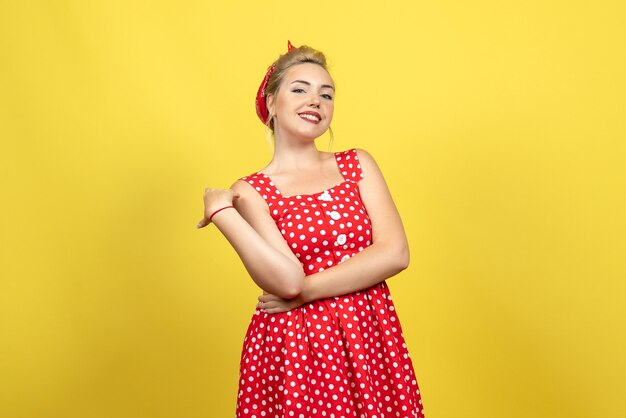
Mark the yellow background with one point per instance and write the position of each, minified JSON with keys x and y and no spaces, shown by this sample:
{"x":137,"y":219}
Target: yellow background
{"x":499,"y":127}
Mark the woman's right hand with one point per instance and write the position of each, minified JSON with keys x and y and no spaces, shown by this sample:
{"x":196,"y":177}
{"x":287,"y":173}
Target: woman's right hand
{"x":215,"y":199}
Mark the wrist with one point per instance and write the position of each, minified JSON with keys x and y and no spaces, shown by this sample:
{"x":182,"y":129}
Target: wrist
{"x":219,"y":210}
{"x":307,"y":292}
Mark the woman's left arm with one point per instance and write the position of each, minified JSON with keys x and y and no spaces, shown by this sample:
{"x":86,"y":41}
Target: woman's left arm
{"x":385,"y":257}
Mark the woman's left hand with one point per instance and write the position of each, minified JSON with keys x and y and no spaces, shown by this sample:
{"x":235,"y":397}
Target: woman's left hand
{"x":272,"y":304}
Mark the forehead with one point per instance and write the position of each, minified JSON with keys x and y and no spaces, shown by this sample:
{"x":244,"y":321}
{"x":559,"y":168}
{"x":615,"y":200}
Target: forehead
{"x":313,"y":73}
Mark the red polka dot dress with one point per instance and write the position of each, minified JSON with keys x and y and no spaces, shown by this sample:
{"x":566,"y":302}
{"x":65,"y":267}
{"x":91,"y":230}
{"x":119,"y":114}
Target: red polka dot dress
{"x":339,"y":357}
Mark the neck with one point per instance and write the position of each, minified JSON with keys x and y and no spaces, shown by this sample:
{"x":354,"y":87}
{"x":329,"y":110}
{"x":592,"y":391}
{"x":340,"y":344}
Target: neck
{"x":294,"y":154}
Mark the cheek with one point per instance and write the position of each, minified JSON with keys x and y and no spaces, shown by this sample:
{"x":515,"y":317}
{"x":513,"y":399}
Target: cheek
{"x":330,"y":111}
{"x":283,"y":105}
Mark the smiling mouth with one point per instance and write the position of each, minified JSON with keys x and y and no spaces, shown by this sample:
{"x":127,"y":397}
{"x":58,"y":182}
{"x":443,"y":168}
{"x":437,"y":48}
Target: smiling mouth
{"x":309,"y":117}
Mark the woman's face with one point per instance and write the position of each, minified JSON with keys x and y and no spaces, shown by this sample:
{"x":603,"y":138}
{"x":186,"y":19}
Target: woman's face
{"x":304,"y":104}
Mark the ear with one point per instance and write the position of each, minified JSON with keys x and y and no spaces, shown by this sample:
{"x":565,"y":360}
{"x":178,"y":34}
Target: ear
{"x":269,"y":100}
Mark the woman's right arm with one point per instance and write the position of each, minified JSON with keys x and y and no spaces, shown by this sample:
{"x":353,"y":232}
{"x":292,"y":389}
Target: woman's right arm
{"x":253,"y":234}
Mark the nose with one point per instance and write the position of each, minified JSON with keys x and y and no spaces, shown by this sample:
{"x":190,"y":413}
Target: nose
{"x":315,"y":100}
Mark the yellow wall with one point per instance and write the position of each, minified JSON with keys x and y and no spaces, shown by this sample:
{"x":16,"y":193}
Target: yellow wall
{"x":500,"y":129}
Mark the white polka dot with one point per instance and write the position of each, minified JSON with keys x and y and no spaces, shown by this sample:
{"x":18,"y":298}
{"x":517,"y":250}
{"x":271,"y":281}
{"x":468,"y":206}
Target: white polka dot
{"x":337,"y":357}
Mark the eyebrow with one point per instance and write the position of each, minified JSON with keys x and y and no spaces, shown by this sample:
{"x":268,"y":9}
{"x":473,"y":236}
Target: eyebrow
{"x":308,"y":84}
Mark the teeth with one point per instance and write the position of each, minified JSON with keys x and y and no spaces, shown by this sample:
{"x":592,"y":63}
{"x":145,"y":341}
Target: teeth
{"x":310,"y":117}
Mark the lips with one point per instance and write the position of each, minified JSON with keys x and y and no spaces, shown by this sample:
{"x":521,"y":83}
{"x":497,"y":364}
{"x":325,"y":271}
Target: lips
{"x":312,"y":117}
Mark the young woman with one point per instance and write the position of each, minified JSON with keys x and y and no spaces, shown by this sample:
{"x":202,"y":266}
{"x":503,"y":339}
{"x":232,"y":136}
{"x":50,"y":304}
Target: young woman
{"x":319,"y":233}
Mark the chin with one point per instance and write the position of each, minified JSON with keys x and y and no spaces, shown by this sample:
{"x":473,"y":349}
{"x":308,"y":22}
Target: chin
{"x":314,"y":137}
{"x":316,"y":133}
{"x":313,"y":132}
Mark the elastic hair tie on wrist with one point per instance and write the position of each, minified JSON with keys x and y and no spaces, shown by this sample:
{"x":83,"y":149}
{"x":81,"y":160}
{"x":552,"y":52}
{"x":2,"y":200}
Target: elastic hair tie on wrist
{"x":213,"y":214}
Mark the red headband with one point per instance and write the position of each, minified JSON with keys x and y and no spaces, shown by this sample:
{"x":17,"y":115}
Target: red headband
{"x":261,"y":106}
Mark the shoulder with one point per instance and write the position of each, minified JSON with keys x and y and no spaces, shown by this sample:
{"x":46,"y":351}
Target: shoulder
{"x":246,"y":183}
{"x":249,"y":189}
{"x":358,"y":154}
{"x":362,"y":154}
{"x":367,"y":163}
{"x":357,"y":164}
{"x":242,"y":186}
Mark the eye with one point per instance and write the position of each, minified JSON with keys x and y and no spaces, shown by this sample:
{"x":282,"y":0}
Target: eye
{"x":327,"y":96}
{"x":297,"y":90}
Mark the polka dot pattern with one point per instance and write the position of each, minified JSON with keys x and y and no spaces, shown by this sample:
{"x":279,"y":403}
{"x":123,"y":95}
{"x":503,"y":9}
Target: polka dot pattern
{"x":338,"y":357}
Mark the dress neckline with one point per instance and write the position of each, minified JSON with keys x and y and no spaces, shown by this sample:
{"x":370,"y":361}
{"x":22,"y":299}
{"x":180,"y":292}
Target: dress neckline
{"x":336,"y":154}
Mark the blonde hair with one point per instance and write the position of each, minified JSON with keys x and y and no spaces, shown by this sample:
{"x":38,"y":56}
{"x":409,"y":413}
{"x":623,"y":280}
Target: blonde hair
{"x":301,"y":55}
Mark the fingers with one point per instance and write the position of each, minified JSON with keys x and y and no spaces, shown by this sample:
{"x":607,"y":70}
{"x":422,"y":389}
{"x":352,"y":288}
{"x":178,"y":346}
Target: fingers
{"x":204,"y":222}
{"x":217,"y":198}
{"x":267,"y":301}
{"x":264,"y":306}
{"x":221,"y":192}
{"x":272,"y":307}
{"x":273,"y":304}
{"x":274,"y":310}
{"x":268,"y":297}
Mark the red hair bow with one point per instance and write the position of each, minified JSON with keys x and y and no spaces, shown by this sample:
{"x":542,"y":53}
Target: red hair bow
{"x":261,"y":105}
